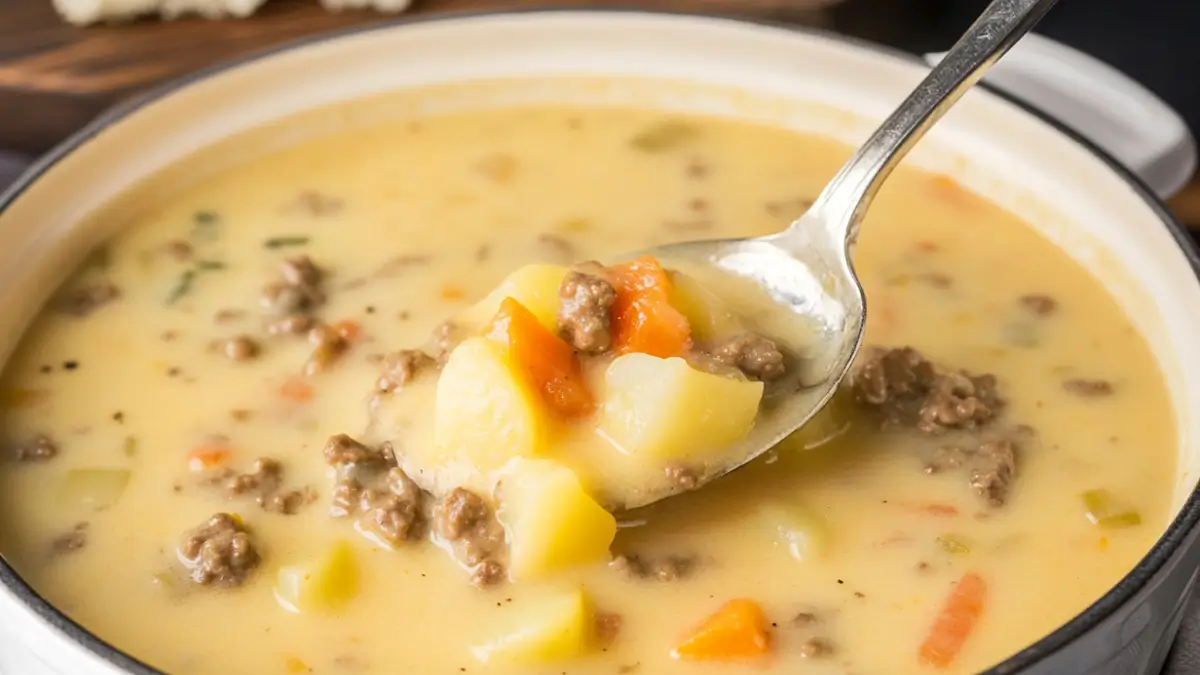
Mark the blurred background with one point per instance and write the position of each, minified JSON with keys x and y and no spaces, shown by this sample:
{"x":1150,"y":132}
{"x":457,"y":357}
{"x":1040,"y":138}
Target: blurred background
{"x":55,"y":76}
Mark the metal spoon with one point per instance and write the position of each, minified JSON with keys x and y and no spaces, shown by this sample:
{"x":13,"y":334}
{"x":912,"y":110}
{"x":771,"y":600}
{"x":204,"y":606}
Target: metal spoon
{"x":805,"y":274}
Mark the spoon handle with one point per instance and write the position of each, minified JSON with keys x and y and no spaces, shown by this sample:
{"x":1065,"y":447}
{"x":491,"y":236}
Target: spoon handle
{"x":844,"y":201}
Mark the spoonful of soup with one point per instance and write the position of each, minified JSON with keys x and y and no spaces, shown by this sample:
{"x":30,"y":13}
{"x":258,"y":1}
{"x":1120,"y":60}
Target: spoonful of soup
{"x":605,"y":387}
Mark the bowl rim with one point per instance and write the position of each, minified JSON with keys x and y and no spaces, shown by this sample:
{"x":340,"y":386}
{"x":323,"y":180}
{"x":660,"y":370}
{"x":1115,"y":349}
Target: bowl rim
{"x":1167,"y":545}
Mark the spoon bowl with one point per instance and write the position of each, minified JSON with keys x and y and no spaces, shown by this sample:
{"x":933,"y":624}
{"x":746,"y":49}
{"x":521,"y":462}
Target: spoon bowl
{"x":799,"y":286}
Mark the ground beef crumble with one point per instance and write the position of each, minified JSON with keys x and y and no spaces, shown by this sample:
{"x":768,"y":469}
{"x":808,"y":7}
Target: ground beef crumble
{"x":341,"y":449}
{"x":40,"y":448}
{"x":1039,"y":305}
{"x":297,"y":292}
{"x":70,"y":541}
{"x":445,"y":337}
{"x":401,"y":367}
{"x":991,"y":465}
{"x":907,"y":390}
{"x":683,"y":477}
{"x":1088,"y":388}
{"x":992,"y":478}
{"x":754,"y":355}
{"x":662,"y":568}
{"x":84,"y":300}
{"x":219,"y":552}
{"x":370,"y":486}
{"x":264,"y":482}
{"x":464,"y":518}
{"x":608,"y":626}
{"x":584,"y":316}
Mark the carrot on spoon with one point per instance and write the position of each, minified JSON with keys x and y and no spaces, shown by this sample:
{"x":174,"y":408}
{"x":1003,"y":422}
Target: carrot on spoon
{"x":735,"y":632}
{"x":643,"y":319}
{"x":955,"y":622}
{"x":549,"y":363}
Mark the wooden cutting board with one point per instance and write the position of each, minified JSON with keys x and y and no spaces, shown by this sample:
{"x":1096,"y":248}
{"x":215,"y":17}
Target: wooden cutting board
{"x":54,"y":78}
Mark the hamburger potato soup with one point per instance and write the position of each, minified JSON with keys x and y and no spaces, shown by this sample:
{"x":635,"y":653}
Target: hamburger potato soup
{"x":367,"y":405}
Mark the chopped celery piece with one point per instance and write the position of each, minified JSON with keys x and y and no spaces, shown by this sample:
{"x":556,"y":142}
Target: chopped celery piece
{"x":1119,"y":520}
{"x":953,"y":544}
{"x":1103,"y":511}
{"x":323,"y":584}
{"x":802,"y":531}
{"x":1097,"y":502}
{"x":93,"y":488}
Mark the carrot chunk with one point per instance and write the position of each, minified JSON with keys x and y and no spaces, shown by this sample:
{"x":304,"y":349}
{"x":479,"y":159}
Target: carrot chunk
{"x":208,"y":456}
{"x":737,"y":631}
{"x":453,"y":292}
{"x":296,"y":389}
{"x":549,"y":363}
{"x":955,"y":623}
{"x":643,"y":319}
{"x":348,"y":329}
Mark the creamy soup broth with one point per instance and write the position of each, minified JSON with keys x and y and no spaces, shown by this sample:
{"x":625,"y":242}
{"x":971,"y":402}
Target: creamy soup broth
{"x":413,"y":221}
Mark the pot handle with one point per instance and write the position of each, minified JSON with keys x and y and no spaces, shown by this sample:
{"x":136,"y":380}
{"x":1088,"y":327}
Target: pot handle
{"x":1102,"y":104}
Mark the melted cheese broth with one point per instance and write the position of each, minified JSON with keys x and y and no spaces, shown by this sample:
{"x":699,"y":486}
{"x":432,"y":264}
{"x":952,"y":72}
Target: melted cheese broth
{"x":136,"y":385}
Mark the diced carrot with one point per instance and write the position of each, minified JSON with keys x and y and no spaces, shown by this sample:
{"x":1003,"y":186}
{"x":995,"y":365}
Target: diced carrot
{"x":950,"y":192}
{"x":348,"y":329}
{"x":208,"y":456}
{"x":955,"y":622}
{"x":296,"y":389}
{"x":550,"y":363}
{"x":737,"y":631}
{"x":453,"y":292}
{"x":643,"y":319}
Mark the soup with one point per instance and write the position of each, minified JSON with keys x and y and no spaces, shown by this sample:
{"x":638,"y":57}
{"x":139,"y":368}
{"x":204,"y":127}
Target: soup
{"x":198,"y":471}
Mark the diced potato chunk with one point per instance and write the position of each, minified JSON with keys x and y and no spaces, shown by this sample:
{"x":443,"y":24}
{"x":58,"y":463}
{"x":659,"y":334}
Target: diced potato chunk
{"x":534,"y":286}
{"x":797,"y":528}
{"x":665,"y":409}
{"x":484,"y":413}
{"x":551,"y":628}
{"x":706,"y":313}
{"x":552,"y":522}
{"x":326,"y":583}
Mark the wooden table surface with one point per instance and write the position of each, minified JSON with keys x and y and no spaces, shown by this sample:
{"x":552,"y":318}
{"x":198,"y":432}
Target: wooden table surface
{"x":55,"y":77}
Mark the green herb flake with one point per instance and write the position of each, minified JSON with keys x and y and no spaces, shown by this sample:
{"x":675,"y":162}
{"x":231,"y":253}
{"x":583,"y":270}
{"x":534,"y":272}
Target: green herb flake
{"x":210,"y":265}
{"x":205,"y":218}
{"x":664,"y":136}
{"x":182,"y":287}
{"x":284,"y":242}
{"x":953,"y":544}
{"x":204,"y":225}
{"x":1102,"y":511}
{"x":130,"y":447}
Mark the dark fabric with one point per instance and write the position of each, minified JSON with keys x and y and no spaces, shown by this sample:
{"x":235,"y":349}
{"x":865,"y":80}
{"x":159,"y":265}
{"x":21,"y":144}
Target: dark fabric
{"x":1156,"y":42}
